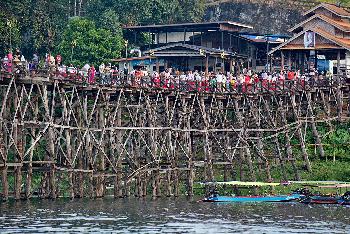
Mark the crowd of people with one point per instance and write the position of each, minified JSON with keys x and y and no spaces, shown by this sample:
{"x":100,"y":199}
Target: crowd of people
{"x":169,"y":79}
{"x":226,"y":81}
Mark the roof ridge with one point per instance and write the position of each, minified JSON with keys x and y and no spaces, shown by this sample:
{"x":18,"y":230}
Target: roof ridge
{"x":338,"y":10}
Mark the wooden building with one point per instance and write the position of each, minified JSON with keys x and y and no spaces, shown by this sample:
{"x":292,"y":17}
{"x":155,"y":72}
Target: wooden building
{"x":325,"y":33}
{"x":210,"y":46}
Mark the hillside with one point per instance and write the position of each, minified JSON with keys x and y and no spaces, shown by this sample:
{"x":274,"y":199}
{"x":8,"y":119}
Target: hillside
{"x":271,"y":16}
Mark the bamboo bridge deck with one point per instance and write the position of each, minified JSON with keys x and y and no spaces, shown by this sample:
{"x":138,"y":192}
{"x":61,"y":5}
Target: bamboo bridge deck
{"x":79,"y":139}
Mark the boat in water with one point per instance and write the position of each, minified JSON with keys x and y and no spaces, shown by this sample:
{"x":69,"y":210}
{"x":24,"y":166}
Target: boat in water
{"x":321,"y":199}
{"x":302,"y":195}
{"x":345,"y":199}
{"x":329,"y":199}
{"x":275,"y":198}
{"x":215,"y":197}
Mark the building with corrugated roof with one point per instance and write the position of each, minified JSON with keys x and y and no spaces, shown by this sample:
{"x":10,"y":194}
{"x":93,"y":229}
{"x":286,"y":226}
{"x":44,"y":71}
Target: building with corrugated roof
{"x":209,"y":46}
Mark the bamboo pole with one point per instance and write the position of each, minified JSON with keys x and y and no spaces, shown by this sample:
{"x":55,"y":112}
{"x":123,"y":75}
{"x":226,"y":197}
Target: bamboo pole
{"x":30,"y":165}
{"x":300,"y":135}
{"x":118,"y":192}
{"x":287,"y":140}
{"x":100,"y":185}
{"x":313,"y":126}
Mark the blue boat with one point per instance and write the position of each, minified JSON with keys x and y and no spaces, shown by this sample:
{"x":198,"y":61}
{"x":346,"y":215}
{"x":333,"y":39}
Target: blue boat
{"x":277,"y":198}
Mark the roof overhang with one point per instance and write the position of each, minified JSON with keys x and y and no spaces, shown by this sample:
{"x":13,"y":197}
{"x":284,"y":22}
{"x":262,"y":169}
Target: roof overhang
{"x":228,"y":26}
{"x":132,"y":59}
{"x":186,"y":50}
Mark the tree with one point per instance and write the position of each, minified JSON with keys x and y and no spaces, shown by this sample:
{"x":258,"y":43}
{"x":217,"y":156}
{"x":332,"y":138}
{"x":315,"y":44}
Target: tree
{"x":191,"y":10}
{"x":39,"y":22}
{"x":343,"y":2}
{"x":10,"y":36}
{"x":134,"y":12}
{"x":82,"y":42}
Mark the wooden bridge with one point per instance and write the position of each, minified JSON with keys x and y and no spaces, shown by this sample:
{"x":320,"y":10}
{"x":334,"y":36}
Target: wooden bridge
{"x":60,"y":137}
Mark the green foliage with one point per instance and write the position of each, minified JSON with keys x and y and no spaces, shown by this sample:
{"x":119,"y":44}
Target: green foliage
{"x":42,"y":26}
{"x":82,"y":42}
{"x":39,"y":22}
{"x":9,"y":32}
{"x":322,"y":170}
{"x":132,"y":12}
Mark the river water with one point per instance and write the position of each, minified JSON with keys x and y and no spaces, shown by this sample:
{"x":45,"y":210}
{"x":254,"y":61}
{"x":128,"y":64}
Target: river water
{"x":173,"y":215}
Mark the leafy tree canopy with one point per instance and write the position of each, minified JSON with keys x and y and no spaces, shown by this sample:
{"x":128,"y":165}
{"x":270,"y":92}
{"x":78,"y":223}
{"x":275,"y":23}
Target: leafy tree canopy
{"x":10,"y":36}
{"x":133,"y":12}
{"x":82,"y":42}
{"x":41,"y":25}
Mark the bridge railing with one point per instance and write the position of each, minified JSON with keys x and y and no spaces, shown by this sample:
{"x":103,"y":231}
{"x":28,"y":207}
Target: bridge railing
{"x":206,"y":85}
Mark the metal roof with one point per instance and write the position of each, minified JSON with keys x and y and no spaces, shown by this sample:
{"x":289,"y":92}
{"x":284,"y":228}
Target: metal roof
{"x":229,"y":26}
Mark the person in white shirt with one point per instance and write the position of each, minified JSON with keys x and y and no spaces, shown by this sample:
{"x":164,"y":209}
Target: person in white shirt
{"x":219,"y":78}
{"x":190,"y":76}
{"x":264,"y":75}
{"x":224,"y":80}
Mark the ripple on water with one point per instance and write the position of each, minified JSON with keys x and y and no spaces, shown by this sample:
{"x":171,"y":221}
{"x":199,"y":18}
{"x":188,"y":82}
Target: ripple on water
{"x":171,"y":216}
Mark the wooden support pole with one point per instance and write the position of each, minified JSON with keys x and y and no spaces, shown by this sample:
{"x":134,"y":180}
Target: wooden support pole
{"x":100,"y":184}
{"x":18,"y":169}
{"x":126,"y":184}
{"x":314,"y":128}
{"x":83,"y":117}
{"x":51,"y":139}
{"x":190,"y":165}
{"x":289,"y":150}
{"x":3,"y":144}
{"x":151,"y":119}
{"x":188,"y":144}
{"x":5,"y":184}
{"x":260,"y":148}
{"x":209,"y":176}
{"x":326,"y":107}
{"x":170,"y":152}
{"x":30,"y":165}
{"x":174,"y":165}
{"x":118,"y":191}
{"x":246,"y":150}
{"x":3,"y":151}
{"x":300,"y":134}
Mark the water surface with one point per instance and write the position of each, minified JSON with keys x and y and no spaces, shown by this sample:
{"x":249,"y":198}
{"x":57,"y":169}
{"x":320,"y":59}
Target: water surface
{"x":169,"y":216}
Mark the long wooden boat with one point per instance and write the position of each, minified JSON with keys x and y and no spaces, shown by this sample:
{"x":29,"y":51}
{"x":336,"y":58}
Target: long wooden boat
{"x":302,"y":195}
{"x":329,"y":199}
{"x":321,"y":200}
{"x":277,"y":198}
